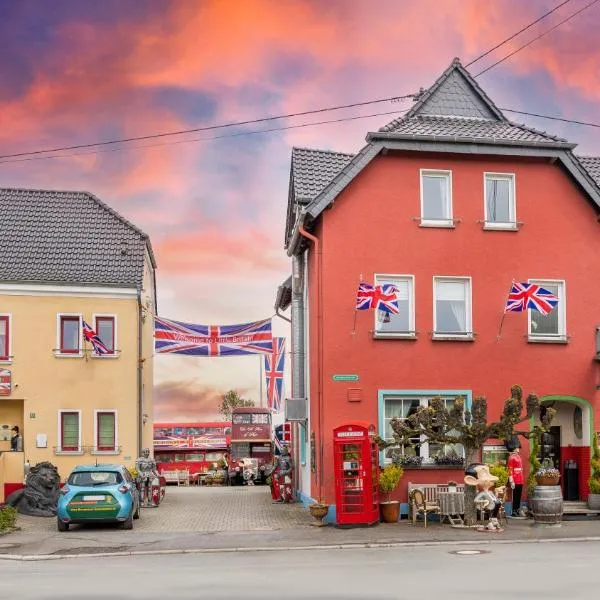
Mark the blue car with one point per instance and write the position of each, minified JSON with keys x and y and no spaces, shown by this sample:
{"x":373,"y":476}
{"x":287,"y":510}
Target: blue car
{"x":96,"y":494}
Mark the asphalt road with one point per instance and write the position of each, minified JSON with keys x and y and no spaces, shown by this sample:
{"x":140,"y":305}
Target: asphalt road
{"x":546,"y":571}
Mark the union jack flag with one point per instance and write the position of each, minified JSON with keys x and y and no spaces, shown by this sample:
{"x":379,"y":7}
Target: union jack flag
{"x":530,"y":295}
{"x":174,"y":337}
{"x":92,"y":337}
{"x":382,"y":297}
{"x":274,"y":366}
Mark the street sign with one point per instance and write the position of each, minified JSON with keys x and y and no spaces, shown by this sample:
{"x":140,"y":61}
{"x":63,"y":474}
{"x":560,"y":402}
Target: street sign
{"x":345,"y":377}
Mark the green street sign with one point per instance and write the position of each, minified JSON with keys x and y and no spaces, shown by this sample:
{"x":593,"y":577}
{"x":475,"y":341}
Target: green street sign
{"x":345,"y":377}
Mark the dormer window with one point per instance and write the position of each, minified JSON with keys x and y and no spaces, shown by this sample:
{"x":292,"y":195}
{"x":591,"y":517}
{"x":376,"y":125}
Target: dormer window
{"x":436,"y":198}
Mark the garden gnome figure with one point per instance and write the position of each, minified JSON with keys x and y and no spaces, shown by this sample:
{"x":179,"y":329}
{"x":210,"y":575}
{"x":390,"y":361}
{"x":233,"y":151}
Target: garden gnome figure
{"x":147,"y":477}
{"x":485,"y":500}
{"x":515,"y":475}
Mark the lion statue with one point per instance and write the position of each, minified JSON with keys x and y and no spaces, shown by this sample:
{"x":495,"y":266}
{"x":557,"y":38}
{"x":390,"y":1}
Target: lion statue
{"x":40,"y":495}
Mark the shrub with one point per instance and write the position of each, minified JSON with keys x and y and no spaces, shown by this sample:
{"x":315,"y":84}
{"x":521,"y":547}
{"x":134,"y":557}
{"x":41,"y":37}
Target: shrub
{"x":8,"y":517}
{"x":389,"y":479}
{"x":595,"y":477}
{"x":501,"y":472}
{"x":408,"y":461}
{"x":451,"y":460}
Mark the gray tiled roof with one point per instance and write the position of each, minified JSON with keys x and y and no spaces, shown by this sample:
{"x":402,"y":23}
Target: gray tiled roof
{"x":457,"y":127}
{"x":592,"y":165}
{"x":312,"y":170}
{"x":67,"y":237}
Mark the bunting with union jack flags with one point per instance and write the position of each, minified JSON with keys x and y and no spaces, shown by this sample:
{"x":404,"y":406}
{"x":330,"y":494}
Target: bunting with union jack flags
{"x":274,"y":369}
{"x":381,"y":297}
{"x":175,"y":337}
{"x":525,"y":296}
{"x":92,"y":337}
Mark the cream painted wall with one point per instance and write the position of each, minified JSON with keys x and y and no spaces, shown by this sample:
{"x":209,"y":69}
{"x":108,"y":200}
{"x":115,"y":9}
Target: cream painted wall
{"x":45,"y":383}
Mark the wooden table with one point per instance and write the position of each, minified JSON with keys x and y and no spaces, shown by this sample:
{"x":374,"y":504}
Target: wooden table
{"x":452,"y":507}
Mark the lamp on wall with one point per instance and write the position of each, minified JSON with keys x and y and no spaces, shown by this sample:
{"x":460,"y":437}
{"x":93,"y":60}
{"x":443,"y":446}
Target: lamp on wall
{"x":144,"y":418}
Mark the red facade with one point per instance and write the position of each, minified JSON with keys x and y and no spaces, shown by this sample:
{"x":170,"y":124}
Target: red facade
{"x":374,"y":227}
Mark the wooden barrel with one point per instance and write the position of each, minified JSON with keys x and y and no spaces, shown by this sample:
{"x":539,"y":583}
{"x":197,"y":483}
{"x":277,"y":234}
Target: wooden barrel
{"x":547,"y":504}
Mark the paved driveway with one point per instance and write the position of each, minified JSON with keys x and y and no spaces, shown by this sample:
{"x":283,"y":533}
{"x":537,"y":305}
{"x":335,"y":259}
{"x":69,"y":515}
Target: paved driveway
{"x":205,"y":509}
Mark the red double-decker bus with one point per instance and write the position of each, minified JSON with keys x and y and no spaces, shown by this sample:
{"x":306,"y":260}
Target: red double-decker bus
{"x":194,"y":447}
{"x":251,"y":444}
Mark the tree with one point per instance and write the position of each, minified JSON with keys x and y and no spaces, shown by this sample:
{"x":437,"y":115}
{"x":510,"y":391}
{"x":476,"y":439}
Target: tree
{"x":232,"y":400}
{"x":440,"y":425}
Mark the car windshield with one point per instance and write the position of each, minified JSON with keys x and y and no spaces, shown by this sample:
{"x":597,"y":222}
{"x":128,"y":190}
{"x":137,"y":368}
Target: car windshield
{"x":95,"y":478}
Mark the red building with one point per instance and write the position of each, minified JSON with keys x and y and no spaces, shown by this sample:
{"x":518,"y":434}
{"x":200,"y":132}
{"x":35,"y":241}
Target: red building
{"x":451,"y":203}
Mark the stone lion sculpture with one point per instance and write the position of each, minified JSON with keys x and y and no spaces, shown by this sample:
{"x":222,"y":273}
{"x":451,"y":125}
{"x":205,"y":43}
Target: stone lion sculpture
{"x":40,"y":495}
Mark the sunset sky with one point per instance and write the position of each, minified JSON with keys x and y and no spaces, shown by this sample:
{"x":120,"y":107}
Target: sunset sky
{"x":82,"y":71}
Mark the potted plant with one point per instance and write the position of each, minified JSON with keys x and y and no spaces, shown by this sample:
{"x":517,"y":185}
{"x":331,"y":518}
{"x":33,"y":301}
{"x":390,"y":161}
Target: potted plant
{"x":452,"y":486}
{"x":547,"y":474}
{"x":319,"y":512}
{"x":501,"y":472}
{"x":593,"y":500}
{"x":389,"y":478}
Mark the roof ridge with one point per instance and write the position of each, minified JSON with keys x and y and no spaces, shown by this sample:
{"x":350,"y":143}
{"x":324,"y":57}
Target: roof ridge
{"x":91,"y":196}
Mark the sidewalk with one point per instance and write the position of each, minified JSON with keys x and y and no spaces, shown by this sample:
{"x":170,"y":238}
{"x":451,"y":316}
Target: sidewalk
{"x":229,"y":520}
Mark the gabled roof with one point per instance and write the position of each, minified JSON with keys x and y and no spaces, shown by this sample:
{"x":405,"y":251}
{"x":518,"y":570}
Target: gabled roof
{"x":68,"y":237}
{"x":312,"y":170}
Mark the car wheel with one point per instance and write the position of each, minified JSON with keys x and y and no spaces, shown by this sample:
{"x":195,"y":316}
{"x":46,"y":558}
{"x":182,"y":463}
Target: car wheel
{"x":136,"y":514}
{"x":61,"y":525}
{"x":128,"y":523}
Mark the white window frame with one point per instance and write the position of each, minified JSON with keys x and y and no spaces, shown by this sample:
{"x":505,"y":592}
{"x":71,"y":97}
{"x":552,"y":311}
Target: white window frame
{"x":468,"y":334}
{"x":411,"y":333}
{"x":447,"y":175}
{"x":116,"y":450}
{"x":512,"y":208}
{"x":59,"y":450}
{"x":57,"y":351}
{"x":8,"y":360}
{"x":423,"y":398}
{"x":561,"y":307}
{"x":115,"y":353}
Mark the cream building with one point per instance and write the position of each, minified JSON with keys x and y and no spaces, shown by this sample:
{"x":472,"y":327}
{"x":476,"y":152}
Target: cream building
{"x":68,"y":258}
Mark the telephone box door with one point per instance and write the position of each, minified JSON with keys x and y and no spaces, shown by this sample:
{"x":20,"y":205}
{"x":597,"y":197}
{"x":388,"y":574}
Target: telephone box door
{"x":355,"y":463}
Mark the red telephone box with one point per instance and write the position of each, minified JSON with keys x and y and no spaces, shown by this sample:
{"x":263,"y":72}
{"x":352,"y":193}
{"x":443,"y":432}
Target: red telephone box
{"x":355,"y":460}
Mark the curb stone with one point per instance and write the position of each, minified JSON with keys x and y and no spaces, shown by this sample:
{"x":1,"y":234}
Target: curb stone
{"x":370,"y":545}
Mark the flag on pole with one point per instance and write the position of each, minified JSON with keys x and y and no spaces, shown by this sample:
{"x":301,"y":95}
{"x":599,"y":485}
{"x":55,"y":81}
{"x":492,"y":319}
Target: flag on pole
{"x":175,"y":337}
{"x":381,"y":297}
{"x":92,"y":337}
{"x":274,"y":370}
{"x":525,"y":296}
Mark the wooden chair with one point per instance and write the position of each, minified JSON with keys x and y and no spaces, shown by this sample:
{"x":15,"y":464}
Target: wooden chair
{"x":503,"y":497}
{"x":421,"y":506}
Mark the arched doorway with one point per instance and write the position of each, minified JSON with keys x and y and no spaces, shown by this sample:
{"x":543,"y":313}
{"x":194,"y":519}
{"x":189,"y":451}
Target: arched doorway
{"x":571,"y":430}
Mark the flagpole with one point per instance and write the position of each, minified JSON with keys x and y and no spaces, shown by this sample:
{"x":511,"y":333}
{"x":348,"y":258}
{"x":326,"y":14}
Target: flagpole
{"x":355,"y":309}
{"x":504,"y":313}
{"x":260,"y":375}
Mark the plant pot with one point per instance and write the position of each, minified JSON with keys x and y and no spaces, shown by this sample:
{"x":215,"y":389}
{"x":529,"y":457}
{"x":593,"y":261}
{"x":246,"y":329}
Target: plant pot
{"x":319,"y":512}
{"x":593,"y":501}
{"x":547,"y":479}
{"x":390,"y":511}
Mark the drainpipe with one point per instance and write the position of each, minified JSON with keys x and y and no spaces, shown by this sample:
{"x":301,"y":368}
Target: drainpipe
{"x":319,"y":311}
{"x":140,"y":367}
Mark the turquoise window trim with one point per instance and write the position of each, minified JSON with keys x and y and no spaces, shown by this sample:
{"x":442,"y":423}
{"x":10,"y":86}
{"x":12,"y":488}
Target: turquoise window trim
{"x":381,"y":395}
{"x":302,"y":444}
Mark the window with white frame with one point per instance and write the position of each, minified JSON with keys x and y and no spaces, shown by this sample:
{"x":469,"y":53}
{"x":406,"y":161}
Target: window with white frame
{"x":436,"y":198}
{"x":452,"y":307}
{"x":105,"y":327}
{"x":402,"y":323}
{"x":553,"y":326}
{"x":69,"y":334}
{"x":106,"y":430}
{"x":500,"y":207}
{"x":5,"y":337}
{"x":69,"y":431}
{"x":402,"y":407}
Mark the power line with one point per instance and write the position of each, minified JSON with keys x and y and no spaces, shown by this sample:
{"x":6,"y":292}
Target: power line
{"x":209,"y":127}
{"x":201,"y":139}
{"x":545,"y":33}
{"x":512,"y":37}
{"x":562,"y":119}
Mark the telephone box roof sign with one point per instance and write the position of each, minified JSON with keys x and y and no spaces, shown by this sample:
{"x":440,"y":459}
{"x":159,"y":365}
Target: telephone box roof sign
{"x":5,"y":382}
{"x":176,"y":337}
